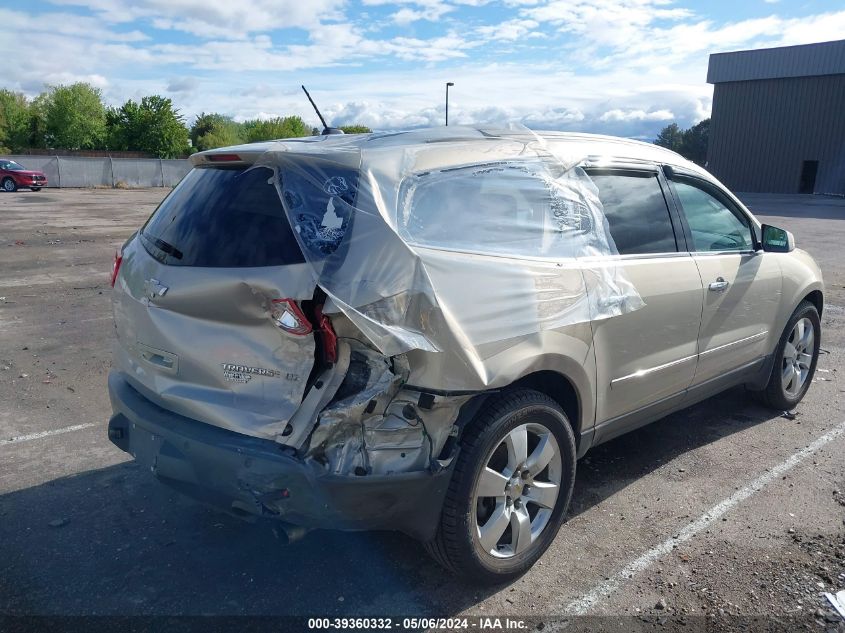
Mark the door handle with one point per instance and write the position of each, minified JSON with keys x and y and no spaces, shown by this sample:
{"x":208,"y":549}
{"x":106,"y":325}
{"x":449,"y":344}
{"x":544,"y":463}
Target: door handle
{"x":720,"y":285}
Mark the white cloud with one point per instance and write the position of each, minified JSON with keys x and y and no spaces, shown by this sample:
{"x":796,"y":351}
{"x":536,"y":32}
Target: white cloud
{"x":65,"y":24}
{"x":615,"y":66}
{"x":646,"y":33}
{"x":605,"y":22}
{"x":64,"y":77}
{"x":180,"y":85}
{"x":216,"y":18}
{"x":636,"y":115}
{"x":431,"y":13}
{"x":415,"y":10}
{"x":509,"y":30}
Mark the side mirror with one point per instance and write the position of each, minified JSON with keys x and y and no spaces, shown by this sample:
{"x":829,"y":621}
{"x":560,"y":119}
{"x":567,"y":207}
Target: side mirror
{"x":777,"y":240}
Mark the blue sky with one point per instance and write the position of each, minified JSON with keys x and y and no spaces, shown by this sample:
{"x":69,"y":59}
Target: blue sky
{"x":611,"y":66}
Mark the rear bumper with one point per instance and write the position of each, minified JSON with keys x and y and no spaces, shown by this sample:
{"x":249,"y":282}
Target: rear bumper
{"x":252,"y":476}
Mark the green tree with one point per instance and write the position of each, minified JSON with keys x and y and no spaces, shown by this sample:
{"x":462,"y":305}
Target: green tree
{"x":223,"y":136}
{"x":153,"y":126}
{"x":279,"y":127}
{"x":38,"y":121}
{"x":14,"y":120}
{"x":355,"y":129}
{"x":214,"y":130}
{"x":75,"y":117}
{"x":694,"y":146}
{"x":670,"y":137}
{"x":122,"y":126}
{"x":203,"y":124}
{"x":691,"y":143}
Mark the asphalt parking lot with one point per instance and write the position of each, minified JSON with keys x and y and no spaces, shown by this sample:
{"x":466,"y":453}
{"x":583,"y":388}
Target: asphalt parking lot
{"x":723,"y":510}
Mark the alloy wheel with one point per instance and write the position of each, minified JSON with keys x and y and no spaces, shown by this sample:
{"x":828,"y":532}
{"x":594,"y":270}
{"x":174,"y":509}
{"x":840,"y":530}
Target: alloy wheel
{"x":516,"y":492}
{"x":797,"y":357}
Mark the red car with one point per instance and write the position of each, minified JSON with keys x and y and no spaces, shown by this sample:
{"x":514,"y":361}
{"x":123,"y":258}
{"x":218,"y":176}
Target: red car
{"x":14,"y":175}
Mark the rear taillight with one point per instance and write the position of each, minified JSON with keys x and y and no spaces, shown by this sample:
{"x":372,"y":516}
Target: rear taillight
{"x":328,"y":335}
{"x":118,"y":258}
{"x":289,"y":317}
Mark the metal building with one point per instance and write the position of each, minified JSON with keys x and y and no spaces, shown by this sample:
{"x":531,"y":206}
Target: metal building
{"x":778,"y":121}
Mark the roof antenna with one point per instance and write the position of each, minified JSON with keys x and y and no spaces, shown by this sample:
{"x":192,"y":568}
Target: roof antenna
{"x":326,"y":128}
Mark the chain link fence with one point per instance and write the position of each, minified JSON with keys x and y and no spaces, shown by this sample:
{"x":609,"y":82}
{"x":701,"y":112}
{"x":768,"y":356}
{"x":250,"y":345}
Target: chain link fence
{"x":78,"y":171}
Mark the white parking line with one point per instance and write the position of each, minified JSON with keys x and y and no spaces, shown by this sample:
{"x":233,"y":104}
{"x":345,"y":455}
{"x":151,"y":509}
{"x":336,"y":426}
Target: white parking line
{"x":36,"y":436}
{"x":583,"y":604}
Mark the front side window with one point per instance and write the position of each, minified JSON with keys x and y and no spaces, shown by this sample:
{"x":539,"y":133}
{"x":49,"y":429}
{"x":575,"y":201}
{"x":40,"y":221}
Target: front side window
{"x":636,"y":212}
{"x":714,"y":225}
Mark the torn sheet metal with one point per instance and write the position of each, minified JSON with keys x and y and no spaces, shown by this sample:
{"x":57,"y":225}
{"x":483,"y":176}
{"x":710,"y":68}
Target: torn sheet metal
{"x":450,"y":238}
{"x":374,"y":426}
{"x":371,"y":381}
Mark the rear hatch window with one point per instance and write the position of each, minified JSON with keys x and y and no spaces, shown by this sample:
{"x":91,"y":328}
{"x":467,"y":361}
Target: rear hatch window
{"x":222,"y":218}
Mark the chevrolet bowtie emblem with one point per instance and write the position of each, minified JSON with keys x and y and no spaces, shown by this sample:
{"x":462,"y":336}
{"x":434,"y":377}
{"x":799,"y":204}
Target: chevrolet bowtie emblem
{"x":153,"y":288}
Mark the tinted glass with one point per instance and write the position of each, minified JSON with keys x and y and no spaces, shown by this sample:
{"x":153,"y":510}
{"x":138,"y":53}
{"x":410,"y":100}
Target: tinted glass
{"x":636,"y":212}
{"x":713,"y":225}
{"x":222,"y":218}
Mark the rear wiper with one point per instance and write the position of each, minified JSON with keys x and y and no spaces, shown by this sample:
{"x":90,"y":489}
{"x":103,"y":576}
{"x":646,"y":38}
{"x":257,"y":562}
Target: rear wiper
{"x":164,"y":247}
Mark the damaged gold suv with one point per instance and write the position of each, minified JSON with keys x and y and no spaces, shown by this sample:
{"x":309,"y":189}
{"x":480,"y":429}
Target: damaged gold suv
{"x":424,"y":331}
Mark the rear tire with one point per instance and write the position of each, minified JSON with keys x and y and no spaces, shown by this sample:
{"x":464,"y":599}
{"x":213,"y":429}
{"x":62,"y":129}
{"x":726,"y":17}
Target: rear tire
{"x":537,"y":485}
{"x":9,"y":185}
{"x":795,"y":361}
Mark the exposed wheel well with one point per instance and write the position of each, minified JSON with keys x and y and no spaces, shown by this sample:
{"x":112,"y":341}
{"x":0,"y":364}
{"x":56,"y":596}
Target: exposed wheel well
{"x":817,"y":299}
{"x":558,"y":388}
{"x":555,"y":385}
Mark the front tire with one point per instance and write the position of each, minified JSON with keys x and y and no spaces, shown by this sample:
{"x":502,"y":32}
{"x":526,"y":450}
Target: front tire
{"x":35,"y":188}
{"x":795,"y":360}
{"x":9,"y":185}
{"x":510,"y":490}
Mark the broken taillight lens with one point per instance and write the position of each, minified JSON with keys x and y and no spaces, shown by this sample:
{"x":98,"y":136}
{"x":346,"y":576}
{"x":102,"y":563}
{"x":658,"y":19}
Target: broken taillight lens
{"x":328,"y":335}
{"x":118,"y":258}
{"x":289,"y":317}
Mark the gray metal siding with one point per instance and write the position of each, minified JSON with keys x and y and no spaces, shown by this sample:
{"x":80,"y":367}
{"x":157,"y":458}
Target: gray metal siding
{"x":85,"y":171}
{"x":826,"y":58}
{"x":762,"y":131}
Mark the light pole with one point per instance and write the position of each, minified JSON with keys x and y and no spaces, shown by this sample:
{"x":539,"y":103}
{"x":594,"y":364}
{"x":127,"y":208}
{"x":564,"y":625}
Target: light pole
{"x":448,"y":83}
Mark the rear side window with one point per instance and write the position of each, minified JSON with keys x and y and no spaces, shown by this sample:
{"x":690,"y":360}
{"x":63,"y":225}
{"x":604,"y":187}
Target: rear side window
{"x":222,"y":218}
{"x":509,"y":208}
{"x":636,"y":212}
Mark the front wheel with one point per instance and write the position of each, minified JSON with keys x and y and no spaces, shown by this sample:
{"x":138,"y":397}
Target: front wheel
{"x":9,"y":185}
{"x":510,"y":489}
{"x":795,"y":359}
{"x":35,"y":188}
